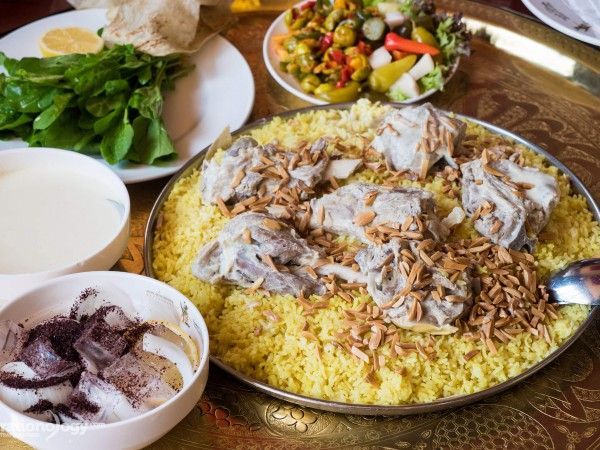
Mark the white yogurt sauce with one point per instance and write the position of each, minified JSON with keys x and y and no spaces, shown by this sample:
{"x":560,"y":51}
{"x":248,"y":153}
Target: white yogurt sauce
{"x":52,"y":217}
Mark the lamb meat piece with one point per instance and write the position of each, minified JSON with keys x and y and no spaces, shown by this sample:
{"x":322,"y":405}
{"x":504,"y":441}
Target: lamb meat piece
{"x":385,"y":280}
{"x":511,"y":204}
{"x":243,"y":154}
{"x":245,"y":248}
{"x":392,"y":206}
{"x":44,"y":360}
{"x":414,"y":138}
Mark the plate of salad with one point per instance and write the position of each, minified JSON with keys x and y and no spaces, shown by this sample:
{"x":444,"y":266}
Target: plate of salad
{"x":144,"y":116}
{"x":331,"y":51}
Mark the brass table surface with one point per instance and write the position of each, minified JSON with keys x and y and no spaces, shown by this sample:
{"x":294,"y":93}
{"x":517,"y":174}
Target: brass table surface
{"x":524,"y":77}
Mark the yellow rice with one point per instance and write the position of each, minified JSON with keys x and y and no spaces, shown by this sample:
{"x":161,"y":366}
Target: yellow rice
{"x":284,"y":358}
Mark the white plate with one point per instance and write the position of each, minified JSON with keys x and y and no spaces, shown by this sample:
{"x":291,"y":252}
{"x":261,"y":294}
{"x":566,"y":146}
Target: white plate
{"x":559,"y":15}
{"x":218,"y":93}
{"x":290,"y":84}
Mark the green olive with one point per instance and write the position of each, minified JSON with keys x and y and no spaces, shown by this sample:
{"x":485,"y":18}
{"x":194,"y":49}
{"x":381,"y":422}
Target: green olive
{"x":348,"y":93}
{"x":420,"y":34}
{"x":306,"y":62}
{"x":299,"y":23}
{"x":333,"y":18}
{"x":289,"y":17}
{"x":344,"y":36}
{"x":293,"y":69}
{"x":309,"y":83}
{"x":290,"y":44}
{"x":302,"y":48}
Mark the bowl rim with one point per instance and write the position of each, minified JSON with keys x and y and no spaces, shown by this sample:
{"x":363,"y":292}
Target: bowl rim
{"x":131,"y":278}
{"x":110,"y":179}
{"x":278,"y":76}
{"x":364,"y":408}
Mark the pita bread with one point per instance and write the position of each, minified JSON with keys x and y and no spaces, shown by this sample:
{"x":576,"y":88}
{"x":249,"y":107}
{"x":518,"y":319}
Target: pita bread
{"x":162,"y":27}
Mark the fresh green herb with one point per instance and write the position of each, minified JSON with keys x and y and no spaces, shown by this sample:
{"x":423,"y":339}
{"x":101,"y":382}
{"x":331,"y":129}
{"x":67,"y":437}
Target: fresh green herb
{"x":396,"y":95}
{"x":433,"y":80}
{"x":108,"y":103}
{"x":453,"y":37}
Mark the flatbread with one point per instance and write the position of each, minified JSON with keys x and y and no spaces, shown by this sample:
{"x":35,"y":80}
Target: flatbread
{"x":162,"y":27}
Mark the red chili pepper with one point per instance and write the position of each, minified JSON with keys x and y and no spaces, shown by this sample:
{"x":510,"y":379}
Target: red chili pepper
{"x":337,"y":56}
{"x":326,"y":41}
{"x":395,"y":42}
{"x":364,"y":48}
{"x":308,"y":5}
{"x":344,"y":77}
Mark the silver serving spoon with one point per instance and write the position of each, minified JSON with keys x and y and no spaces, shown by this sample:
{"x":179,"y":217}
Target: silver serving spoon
{"x":577,"y":283}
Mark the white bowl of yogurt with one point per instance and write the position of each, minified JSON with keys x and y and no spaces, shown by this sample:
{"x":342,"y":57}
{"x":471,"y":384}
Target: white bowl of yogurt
{"x":126,"y":416}
{"x":60,"y":212}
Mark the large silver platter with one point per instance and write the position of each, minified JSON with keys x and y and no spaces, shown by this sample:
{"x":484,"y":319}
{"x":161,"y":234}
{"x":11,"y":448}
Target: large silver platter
{"x":365,"y":409}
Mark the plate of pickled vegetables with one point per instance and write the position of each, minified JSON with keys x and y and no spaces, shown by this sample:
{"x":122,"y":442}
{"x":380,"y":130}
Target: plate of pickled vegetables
{"x":332,"y":51}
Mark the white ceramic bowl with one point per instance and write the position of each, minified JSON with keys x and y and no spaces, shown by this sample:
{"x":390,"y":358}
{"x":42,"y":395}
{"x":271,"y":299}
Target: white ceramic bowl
{"x":103,"y":258}
{"x":151,"y":299}
{"x":292,"y":85}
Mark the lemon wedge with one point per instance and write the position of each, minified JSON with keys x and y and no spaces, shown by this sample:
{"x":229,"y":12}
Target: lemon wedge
{"x":64,"y":41}
{"x":181,"y":339}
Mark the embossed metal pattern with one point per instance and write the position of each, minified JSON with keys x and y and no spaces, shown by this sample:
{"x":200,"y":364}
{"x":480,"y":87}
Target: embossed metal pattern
{"x":557,"y":408}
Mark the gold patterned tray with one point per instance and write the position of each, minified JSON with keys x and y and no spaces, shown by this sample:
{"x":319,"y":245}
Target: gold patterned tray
{"x":554,"y":104}
{"x":364,"y":409}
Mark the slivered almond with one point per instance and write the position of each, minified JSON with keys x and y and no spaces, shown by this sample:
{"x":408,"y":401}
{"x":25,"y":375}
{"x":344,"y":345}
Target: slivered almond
{"x":269,"y":261}
{"x":470,"y":354}
{"x":496,"y":226}
{"x":426,"y":259}
{"x":222,"y":207}
{"x":272,"y":224}
{"x":412,"y":312}
{"x":308,"y":335}
{"x":455,"y":298}
{"x":321,"y":215}
{"x":424,"y":167}
{"x":490,"y":345}
{"x":247,"y":236}
{"x":364,"y":218}
{"x":489,"y":169}
{"x":370,"y":198}
{"x":359,"y":354}
{"x":450,"y":264}
{"x":237,"y":179}
{"x":407,"y":223}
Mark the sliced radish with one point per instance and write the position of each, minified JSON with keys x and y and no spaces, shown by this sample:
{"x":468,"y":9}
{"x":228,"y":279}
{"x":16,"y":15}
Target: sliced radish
{"x":394,"y":19}
{"x":380,"y":57}
{"x":422,"y":67}
{"x":407,"y":85}
{"x":162,"y":347}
